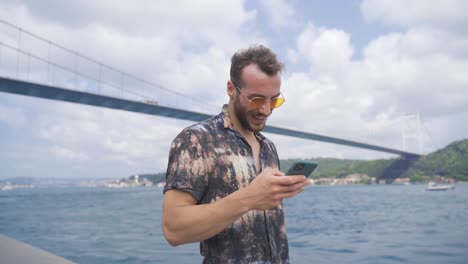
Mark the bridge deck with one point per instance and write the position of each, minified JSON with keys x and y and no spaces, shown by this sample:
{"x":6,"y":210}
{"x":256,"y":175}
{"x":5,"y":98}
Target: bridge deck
{"x":48,"y":92}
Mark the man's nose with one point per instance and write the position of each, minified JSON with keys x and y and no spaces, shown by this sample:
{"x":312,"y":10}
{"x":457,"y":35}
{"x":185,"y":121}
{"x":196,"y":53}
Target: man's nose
{"x":265,"y":109}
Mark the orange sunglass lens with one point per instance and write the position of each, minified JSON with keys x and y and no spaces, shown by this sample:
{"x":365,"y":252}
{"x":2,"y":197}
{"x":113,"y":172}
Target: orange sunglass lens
{"x":259,"y":102}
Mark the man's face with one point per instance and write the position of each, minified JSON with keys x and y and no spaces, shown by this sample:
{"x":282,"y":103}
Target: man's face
{"x":256,"y":84}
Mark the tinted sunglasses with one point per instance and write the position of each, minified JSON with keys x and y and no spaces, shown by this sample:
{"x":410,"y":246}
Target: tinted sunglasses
{"x":258,"y":102}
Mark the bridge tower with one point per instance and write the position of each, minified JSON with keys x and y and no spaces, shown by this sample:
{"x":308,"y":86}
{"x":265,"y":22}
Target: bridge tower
{"x":411,"y":131}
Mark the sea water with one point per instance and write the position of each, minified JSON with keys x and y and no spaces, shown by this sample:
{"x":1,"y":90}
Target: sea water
{"x":326,"y":224}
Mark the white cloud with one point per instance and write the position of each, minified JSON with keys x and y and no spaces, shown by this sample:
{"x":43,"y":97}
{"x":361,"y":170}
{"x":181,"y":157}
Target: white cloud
{"x":420,"y":70}
{"x":328,"y":49}
{"x":100,"y":135}
{"x":13,"y":116}
{"x":183,"y":18}
{"x":432,"y":75}
{"x":280,"y":13}
{"x":441,"y":13}
{"x":68,"y":154}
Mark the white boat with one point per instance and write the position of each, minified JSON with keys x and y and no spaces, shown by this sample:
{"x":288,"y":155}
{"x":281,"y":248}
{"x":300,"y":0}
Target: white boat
{"x":7,"y":188}
{"x":432,"y":186}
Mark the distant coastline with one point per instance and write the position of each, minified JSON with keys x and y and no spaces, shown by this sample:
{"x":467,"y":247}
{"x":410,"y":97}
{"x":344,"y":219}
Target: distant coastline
{"x":447,"y":165}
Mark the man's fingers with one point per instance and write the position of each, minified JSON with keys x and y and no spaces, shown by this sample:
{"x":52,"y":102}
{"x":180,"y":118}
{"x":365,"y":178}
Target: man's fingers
{"x":291,"y":179}
{"x":291,"y":193}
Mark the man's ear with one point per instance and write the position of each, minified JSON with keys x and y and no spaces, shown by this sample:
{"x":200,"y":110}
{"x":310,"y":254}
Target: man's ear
{"x":230,"y":88}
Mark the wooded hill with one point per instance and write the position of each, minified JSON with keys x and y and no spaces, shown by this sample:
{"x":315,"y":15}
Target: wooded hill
{"x":451,"y":162}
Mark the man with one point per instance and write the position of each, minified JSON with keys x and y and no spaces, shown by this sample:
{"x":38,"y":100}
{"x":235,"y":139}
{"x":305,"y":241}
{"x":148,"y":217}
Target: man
{"x":223,"y":183}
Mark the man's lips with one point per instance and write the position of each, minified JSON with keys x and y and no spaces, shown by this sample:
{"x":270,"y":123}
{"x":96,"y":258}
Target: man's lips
{"x":259,"y":118}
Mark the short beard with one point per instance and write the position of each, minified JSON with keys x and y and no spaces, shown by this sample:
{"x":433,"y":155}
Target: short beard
{"x":241,"y":114}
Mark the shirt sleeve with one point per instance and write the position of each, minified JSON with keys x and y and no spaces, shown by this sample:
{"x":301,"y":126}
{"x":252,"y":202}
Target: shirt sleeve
{"x":186,"y":170}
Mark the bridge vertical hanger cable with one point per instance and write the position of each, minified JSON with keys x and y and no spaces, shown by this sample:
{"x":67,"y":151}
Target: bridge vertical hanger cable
{"x":1,"y":56}
{"x":48,"y":81}
{"x":99,"y":78}
{"x":28,"y":67}
{"x":18,"y":56}
{"x":75,"y":65}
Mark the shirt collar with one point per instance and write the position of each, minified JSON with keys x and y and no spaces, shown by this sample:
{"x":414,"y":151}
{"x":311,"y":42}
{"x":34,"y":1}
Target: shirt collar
{"x":226,"y":119}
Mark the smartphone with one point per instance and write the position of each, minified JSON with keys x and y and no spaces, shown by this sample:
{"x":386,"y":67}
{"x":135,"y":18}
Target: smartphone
{"x":302,"y":167}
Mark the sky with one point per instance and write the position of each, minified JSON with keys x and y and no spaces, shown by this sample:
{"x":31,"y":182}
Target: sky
{"x":391,"y":73}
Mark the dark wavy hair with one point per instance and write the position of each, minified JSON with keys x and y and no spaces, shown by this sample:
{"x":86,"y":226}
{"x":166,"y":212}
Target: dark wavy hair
{"x":256,"y":54}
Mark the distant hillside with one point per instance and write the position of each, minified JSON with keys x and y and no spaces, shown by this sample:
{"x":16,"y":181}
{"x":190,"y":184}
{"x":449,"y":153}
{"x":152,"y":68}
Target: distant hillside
{"x":338,"y":168}
{"x":451,"y":161}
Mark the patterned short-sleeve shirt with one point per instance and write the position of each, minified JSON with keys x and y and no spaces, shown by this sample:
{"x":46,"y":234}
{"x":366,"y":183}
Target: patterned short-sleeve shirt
{"x":211,"y":160}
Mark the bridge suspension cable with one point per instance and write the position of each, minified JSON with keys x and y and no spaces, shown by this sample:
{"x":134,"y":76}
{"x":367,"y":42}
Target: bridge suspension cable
{"x":25,"y":61}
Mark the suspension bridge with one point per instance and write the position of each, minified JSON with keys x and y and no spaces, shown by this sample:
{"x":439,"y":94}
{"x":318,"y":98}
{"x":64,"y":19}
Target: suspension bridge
{"x":31,"y":65}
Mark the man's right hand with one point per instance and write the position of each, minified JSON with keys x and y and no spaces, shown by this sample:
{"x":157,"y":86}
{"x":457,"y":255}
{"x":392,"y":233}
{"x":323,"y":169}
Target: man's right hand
{"x":270,"y":187}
